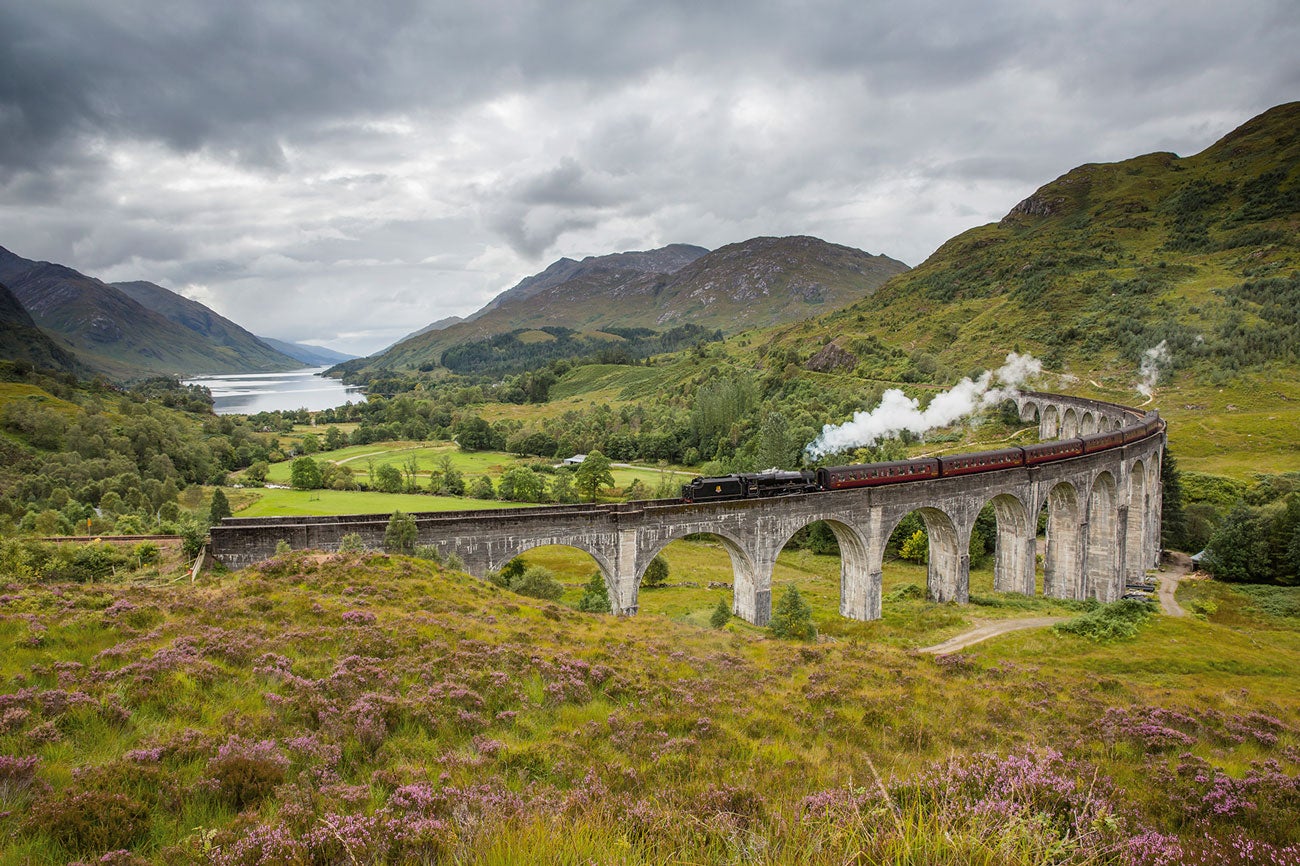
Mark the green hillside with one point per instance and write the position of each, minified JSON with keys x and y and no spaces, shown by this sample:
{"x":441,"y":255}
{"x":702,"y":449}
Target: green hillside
{"x":1104,"y":264}
{"x":22,"y":340}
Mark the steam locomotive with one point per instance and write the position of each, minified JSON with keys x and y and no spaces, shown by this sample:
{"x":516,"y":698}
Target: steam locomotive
{"x":775,"y":482}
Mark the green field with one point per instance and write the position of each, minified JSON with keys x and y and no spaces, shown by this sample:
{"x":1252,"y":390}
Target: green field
{"x":428,"y":456}
{"x":280,"y":502}
{"x":230,"y":721}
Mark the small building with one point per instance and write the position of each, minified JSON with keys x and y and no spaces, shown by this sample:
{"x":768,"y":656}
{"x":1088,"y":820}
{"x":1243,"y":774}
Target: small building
{"x":575,"y":460}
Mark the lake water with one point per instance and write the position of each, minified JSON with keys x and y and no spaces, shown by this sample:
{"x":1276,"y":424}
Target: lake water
{"x":250,"y":393}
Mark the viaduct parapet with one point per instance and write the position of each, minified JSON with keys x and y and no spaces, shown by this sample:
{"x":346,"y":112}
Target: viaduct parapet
{"x":1103,"y":525}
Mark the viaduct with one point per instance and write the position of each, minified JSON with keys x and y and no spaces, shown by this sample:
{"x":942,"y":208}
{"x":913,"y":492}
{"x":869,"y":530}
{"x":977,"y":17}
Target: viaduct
{"x":1103,"y":525}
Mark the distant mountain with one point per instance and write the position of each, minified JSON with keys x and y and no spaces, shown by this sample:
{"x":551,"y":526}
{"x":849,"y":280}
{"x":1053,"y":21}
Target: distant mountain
{"x":21,"y":340}
{"x":115,"y":334}
{"x":253,"y":350}
{"x":758,"y":282}
{"x":446,"y":322}
{"x":312,"y":356}
{"x":592,"y":269}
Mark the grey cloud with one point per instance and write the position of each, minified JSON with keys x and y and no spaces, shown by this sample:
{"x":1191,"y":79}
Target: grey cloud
{"x":307,"y":163}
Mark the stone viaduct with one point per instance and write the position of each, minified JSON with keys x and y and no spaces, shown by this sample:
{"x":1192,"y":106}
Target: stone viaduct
{"x":1103,"y":525}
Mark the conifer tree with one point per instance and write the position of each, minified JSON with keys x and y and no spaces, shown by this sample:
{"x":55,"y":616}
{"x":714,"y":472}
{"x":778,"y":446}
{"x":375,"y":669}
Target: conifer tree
{"x":219,"y":508}
{"x":792,"y":617}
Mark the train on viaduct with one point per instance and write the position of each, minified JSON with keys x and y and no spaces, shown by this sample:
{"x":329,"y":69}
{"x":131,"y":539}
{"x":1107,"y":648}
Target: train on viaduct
{"x":1103,"y":523}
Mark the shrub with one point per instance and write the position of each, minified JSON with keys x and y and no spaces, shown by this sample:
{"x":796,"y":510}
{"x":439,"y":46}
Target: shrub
{"x":721,"y":614}
{"x":916,"y":548}
{"x":17,"y":778}
{"x":245,"y":771}
{"x":595,"y":595}
{"x":792,"y":617}
{"x":146,"y":553}
{"x":430,"y":552}
{"x":483,"y":489}
{"x":656,"y":573}
{"x":283,"y":548}
{"x":352,"y":543}
{"x":401,"y":534}
{"x":538,"y":582}
{"x":1119,"y":619}
{"x":91,"y":822}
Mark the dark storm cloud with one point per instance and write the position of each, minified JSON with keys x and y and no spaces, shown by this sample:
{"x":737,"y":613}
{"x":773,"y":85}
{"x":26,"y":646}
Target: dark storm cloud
{"x":360,"y":168}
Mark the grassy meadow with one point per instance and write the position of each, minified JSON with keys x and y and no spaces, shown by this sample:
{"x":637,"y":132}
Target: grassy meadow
{"x":427,"y":456}
{"x":377,"y":709}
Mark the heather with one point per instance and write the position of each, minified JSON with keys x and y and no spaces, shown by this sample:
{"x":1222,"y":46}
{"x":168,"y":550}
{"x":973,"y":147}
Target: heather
{"x":365,"y":708}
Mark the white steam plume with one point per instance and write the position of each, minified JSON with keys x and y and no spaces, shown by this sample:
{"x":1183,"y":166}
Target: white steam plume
{"x":898,"y":412}
{"x":1153,"y":360}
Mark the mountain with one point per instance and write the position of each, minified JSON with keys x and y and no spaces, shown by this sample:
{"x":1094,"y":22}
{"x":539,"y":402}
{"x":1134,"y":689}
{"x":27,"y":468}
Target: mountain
{"x":22,"y":340}
{"x":751,"y":284}
{"x":312,"y":356}
{"x":113,"y":333}
{"x":251,"y":350}
{"x":445,"y":322}
{"x":615,"y":266}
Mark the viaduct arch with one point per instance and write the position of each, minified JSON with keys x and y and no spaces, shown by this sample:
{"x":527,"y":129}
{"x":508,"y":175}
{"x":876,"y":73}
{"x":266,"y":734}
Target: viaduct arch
{"x":1102,"y":529}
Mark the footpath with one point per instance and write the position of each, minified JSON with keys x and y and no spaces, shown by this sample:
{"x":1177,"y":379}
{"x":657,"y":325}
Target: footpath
{"x":1180,"y":564}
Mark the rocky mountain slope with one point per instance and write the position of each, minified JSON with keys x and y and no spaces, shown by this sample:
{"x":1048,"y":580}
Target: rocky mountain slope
{"x":754,"y":283}
{"x":125,"y":337}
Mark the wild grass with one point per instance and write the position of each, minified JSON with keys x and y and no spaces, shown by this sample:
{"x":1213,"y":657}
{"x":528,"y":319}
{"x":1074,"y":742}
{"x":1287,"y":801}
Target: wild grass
{"x":380,"y":709}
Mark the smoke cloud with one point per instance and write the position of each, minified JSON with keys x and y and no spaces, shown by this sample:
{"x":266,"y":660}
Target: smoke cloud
{"x":898,"y":412}
{"x":1153,"y":361}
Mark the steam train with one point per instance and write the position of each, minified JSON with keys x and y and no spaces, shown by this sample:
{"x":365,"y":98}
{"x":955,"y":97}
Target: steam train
{"x":775,"y":482}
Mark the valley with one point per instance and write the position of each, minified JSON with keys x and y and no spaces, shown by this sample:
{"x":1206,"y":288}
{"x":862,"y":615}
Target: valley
{"x":388,"y":700}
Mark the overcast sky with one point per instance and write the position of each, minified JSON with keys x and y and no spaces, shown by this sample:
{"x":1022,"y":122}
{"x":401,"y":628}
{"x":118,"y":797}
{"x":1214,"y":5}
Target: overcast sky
{"x":343,"y":173}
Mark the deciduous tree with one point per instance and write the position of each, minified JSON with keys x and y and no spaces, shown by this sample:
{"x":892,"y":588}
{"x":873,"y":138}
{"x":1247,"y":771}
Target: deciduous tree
{"x":594,"y":474}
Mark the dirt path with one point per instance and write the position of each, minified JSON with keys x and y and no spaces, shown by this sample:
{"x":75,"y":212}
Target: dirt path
{"x":377,"y":454}
{"x":1179,"y":565}
{"x":993,"y":629}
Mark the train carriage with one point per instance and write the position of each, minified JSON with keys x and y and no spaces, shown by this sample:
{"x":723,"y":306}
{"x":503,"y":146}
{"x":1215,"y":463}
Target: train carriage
{"x":872,"y":474}
{"x":983,"y":461}
{"x":1044,"y":452}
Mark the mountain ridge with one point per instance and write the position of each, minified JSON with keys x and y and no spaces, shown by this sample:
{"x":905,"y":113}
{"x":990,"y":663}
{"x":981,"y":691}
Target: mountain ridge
{"x":748,"y":284}
{"x":112,"y":333}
